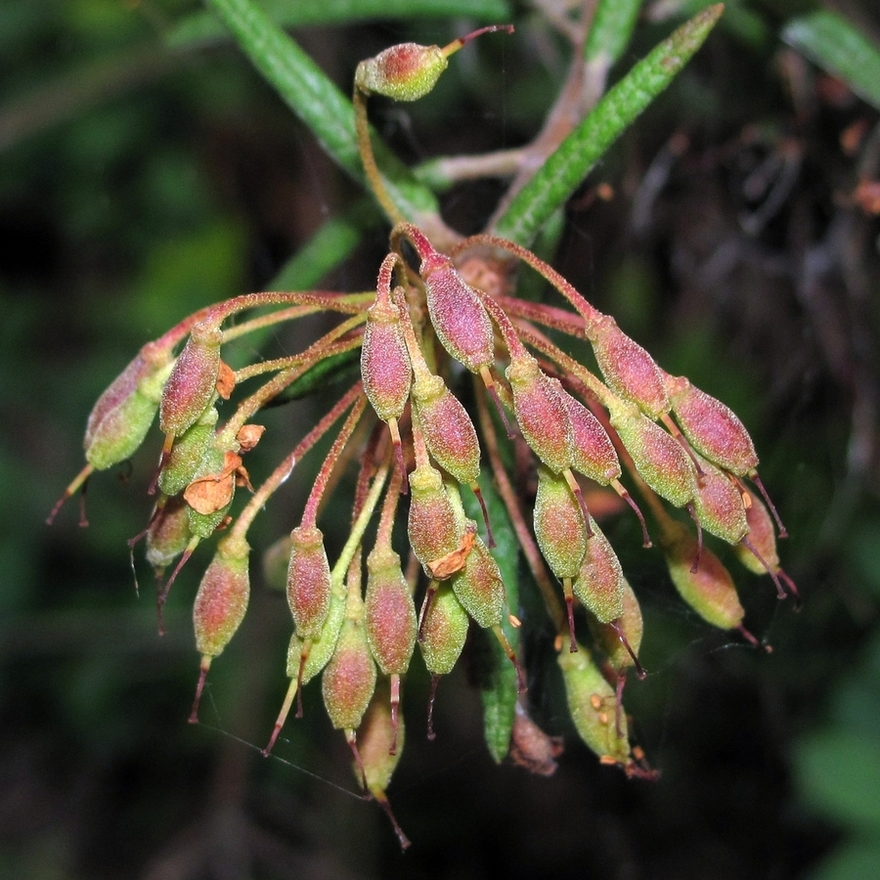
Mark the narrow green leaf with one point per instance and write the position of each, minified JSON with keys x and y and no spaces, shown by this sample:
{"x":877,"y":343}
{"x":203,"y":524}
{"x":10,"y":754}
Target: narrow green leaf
{"x":840,"y":48}
{"x":564,"y":170}
{"x":500,"y":692}
{"x":319,"y":103}
{"x":613,"y":24}
{"x":202,"y":28}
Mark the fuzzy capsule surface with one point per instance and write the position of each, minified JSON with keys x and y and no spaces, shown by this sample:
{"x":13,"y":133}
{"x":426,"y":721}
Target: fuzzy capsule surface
{"x":222,"y":597}
{"x":349,"y":678}
{"x":405,"y":72}
{"x":389,"y":612}
{"x":433,"y":526}
{"x":308,"y":581}
{"x":122,"y":415}
{"x":321,"y":648}
{"x":600,"y":583}
{"x":592,"y":452}
{"x":659,"y":458}
{"x":182,"y":464}
{"x":167,"y":534}
{"x":457,"y":314}
{"x":631,"y":625}
{"x":479,"y":586}
{"x":709,"y":590}
{"x":559,"y":525}
{"x":385,"y":363}
{"x":191,"y":385}
{"x":628,"y":369}
{"x":448,"y":430}
{"x":719,"y":505}
{"x":444,"y":631}
{"x":592,"y":704}
{"x":375,"y":738}
{"x":711,"y":427}
{"x":540,"y":413}
{"x":762,"y":536}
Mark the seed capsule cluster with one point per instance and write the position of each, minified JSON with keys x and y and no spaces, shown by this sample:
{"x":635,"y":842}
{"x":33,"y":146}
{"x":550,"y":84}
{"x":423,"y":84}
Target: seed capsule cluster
{"x":561,"y":426}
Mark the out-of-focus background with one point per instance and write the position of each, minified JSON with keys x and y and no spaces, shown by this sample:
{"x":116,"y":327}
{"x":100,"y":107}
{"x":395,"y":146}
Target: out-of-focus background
{"x":140,"y":181}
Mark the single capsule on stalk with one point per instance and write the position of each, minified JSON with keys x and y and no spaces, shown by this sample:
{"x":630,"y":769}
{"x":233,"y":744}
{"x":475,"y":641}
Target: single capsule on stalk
{"x":192,"y":383}
{"x":220,"y":604}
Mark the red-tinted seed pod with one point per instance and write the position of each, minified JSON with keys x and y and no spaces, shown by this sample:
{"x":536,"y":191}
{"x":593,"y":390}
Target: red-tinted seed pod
{"x":762,"y":536}
{"x":479,"y":587}
{"x":349,"y":678}
{"x":480,"y":590}
{"x":385,"y":364}
{"x":592,"y":452}
{"x":308,"y":581}
{"x":628,"y":369}
{"x":222,"y":598}
{"x":191,"y":385}
{"x":391,"y":623}
{"x":434,"y":528}
{"x":220,"y":606}
{"x":448,"y":431}
{"x":659,"y":458}
{"x":405,"y":72}
{"x":711,"y":428}
{"x":168,"y":534}
{"x":443,"y":632}
{"x":719,"y":505}
{"x":559,"y":525}
{"x":390,"y":613}
{"x":600,"y":583}
{"x":593,"y":706}
{"x":380,"y":742}
{"x":122,"y":415}
{"x":620,"y":639}
{"x":757,"y":551}
{"x":709,"y":590}
{"x":307,"y":657}
{"x":457,"y":314}
{"x":540,"y":413}
{"x":182,"y":464}
{"x":320,"y":649}
{"x":629,"y":624}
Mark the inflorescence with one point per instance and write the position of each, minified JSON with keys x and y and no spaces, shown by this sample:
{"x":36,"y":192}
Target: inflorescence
{"x":434,"y":316}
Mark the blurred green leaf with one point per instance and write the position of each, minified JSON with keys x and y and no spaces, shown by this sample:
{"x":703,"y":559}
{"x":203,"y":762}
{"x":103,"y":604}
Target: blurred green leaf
{"x":864,"y":554}
{"x":610,"y":32}
{"x":839,"y":48}
{"x":564,"y":169}
{"x":855,"y":860}
{"x":840,"y":774}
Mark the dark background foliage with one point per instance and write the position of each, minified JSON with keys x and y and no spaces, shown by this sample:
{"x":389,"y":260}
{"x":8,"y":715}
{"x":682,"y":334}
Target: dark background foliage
{"x":138,"y":183}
